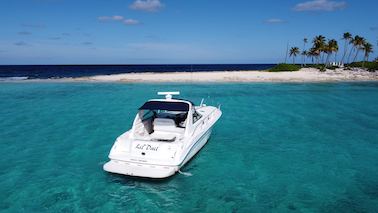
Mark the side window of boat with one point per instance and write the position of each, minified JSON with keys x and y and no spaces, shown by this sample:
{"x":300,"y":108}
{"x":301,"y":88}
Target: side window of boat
{"x":196,"y":116}
{"x":147,"y":114}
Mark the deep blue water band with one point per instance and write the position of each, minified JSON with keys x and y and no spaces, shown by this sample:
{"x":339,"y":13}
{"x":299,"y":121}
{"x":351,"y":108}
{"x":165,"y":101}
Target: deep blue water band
{"x":61,"y":71}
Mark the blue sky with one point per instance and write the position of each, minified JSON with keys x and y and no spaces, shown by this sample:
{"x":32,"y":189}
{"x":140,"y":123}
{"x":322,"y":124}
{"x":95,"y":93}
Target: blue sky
{"x":173,"y":31}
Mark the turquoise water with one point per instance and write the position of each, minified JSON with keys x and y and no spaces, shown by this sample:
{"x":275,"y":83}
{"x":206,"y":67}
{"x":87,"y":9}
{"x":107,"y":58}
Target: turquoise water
{"x":277,"y":148}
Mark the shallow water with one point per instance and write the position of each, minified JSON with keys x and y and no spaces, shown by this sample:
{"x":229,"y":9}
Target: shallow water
{"x":277,"y":148}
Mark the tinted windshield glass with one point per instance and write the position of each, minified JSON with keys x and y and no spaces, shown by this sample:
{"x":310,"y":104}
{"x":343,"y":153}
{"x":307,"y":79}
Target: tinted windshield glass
{"x":161,"y":105}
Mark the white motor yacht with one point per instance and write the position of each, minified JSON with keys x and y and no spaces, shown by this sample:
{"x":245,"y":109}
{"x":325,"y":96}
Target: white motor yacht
{"x":165,"y":135}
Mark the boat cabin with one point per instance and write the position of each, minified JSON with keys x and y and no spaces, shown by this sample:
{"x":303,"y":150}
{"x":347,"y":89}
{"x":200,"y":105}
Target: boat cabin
{"x":164,"y":120}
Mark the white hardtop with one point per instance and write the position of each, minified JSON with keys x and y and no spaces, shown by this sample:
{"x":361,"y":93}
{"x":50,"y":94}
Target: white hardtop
{"x":173,"y":100}
{"x":169,"y":98}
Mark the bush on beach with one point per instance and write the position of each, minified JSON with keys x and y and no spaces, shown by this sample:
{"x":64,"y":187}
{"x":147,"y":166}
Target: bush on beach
{"x":370,"y":65}
{"x":320,"y":67}
{"x":285,"y":67}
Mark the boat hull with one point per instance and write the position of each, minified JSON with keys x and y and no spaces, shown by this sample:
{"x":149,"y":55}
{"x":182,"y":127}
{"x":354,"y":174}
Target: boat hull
{"x":139,"y":169}
{"x":197,"y":146}
{"x":155,"y":171}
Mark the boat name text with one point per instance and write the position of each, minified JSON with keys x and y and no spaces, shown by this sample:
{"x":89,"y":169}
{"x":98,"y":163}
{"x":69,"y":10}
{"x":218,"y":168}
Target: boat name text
{"x":146,"y":147}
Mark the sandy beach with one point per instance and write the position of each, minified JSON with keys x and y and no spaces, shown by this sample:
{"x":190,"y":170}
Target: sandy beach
{"x":304,"y":75}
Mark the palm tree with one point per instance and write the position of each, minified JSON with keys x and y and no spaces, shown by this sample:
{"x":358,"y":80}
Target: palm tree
{"x":304,"y":55}
{"x":305,"y":40}
{"x":310,"y":54}
{"x":287,"y":51}
{"x":367,"y":48}
{"x":351,"y":41}
{"x":358,"y":43}
{"x":319,"y":41}
{"x":334,"y":47}
{"x":327,"y":50}
{"x":319,"y":44}
{"x":347,"y":37}
{"x":314,"y":53}
{"x":294,"y":51}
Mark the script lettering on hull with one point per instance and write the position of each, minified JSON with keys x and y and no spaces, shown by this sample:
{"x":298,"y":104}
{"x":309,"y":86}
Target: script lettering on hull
{"x":147,"y":147}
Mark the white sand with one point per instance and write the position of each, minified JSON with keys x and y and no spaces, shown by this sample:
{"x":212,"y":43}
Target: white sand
{"x":304,"y":75}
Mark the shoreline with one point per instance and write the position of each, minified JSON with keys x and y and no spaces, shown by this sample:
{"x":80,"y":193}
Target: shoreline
{"x":304,"y":75}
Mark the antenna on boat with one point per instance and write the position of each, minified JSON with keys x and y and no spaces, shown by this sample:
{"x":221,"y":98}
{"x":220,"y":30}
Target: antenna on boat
{"x":168,"y":95}
{"x":202,"y":104}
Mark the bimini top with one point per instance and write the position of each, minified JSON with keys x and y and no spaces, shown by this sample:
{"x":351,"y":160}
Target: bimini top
{"x":165,"y":105}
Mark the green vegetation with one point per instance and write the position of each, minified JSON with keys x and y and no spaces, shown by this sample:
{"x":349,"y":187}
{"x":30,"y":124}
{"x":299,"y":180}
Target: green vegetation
{"x":371,"y":66}
{"x":367,"y":48}
{"x":322,"y":49}
{"x":317,"y":66}
{"x":285,"y":67}
{"x":294,"y":51}
{"x":320,"y":67}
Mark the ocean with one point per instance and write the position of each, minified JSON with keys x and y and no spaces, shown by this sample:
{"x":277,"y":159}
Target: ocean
{"x":22,"y":72}
{"x":279,"y":147}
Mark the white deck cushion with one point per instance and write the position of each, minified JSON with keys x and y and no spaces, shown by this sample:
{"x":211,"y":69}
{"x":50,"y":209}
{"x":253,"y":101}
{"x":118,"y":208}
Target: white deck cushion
{"x":163,"y":136}
{"x":166,"y":125}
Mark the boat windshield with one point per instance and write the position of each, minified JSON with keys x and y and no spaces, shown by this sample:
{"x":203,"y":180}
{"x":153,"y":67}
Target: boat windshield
{"x":178,"y":117}
{"x":166,"y":116}
{"x":164,"y":105}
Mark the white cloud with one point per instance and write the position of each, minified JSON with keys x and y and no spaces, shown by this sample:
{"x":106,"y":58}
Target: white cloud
{"x":117,"y":18}
{"x":110,"y":18}
{"x":147,"y":5}
{"x":274,"y":21}
{"x":320,"y":5}
{"x":130,"y":22}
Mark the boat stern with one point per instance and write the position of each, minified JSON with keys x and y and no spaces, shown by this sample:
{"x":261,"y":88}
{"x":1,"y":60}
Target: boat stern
{"x":139,"y":169}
